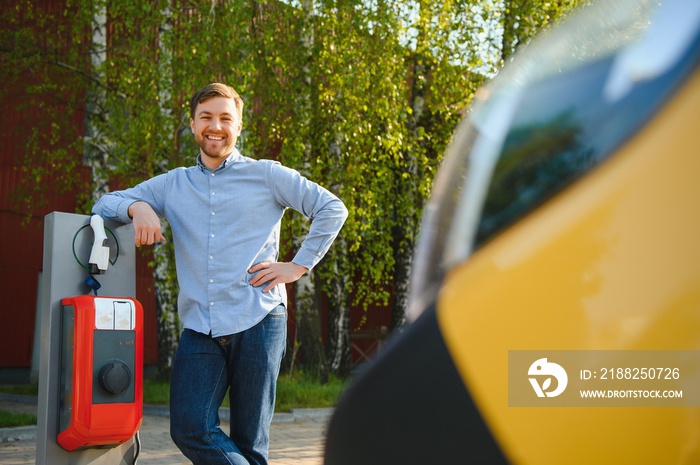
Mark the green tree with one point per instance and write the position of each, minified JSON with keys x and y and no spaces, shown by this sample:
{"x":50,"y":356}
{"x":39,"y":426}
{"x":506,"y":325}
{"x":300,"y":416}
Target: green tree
{"x":522,"y":19}
{"x":361,"y":96}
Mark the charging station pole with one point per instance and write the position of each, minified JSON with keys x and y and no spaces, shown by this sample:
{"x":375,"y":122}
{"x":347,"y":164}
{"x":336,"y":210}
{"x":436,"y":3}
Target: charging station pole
{"x":67,"y":244}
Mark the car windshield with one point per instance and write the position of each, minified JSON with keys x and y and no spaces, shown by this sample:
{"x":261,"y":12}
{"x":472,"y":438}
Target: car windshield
{"x":566,"y":102}
{"x":576,"y":99}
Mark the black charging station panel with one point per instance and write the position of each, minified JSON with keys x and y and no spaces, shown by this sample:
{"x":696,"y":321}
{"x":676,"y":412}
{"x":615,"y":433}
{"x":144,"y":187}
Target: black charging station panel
{"x":113,"y":371}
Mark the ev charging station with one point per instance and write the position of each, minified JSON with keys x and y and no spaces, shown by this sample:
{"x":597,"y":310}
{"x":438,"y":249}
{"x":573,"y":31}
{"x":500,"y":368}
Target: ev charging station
{"x":91,"y":351}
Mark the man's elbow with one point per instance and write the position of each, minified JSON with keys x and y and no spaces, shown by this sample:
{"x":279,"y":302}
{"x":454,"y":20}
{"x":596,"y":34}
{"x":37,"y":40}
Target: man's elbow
{"x":342,"y":211}
{"x":97,"y":207}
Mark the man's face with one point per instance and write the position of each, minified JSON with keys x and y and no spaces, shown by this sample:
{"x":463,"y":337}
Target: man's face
{"x":216,"y":128}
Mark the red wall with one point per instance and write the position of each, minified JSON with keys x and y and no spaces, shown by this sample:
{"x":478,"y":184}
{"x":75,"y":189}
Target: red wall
{"x":21,"y":226}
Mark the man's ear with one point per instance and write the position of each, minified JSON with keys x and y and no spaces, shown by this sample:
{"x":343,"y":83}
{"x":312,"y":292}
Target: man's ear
{"x":192,"y":125}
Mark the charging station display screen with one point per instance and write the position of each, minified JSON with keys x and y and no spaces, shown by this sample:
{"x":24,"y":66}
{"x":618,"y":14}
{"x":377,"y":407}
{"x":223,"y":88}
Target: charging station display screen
{"x":114,"y":314}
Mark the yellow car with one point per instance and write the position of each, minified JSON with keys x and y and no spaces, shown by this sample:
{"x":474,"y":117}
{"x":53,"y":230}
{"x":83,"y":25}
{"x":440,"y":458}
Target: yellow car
{"x":555,"y":299}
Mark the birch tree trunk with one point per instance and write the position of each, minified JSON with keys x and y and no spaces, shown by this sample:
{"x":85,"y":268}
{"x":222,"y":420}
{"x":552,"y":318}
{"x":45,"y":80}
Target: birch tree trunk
{"x":328,"y":357}
{"x":96,"y":153}
{"x":338,"y":344}
{"x":169,"y":327}
{"x":407,"y":211}
{"x":164,"y":273}
{"x":309,"y":339}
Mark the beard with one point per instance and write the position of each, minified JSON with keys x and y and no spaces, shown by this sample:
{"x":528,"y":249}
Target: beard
{"x":216,"y":149}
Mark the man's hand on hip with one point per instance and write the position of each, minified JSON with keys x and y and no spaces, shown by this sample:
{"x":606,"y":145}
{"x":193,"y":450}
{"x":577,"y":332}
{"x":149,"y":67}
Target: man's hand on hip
{"x":146,"y":224}
{"x":274,"y":273}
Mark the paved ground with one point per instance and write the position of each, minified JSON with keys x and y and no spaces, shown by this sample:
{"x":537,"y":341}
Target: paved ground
{"x":296,"y":439}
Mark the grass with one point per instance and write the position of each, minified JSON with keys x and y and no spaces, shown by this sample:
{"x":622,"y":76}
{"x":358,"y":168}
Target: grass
{"x":298,"y":391}
{"x":21,"y":389}
{"x":13,"y":419}
{"x":303,"y":391}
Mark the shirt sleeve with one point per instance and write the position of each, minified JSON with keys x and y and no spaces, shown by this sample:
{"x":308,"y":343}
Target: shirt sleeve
{"x":326,"y":211}
{"x":115,"y":205}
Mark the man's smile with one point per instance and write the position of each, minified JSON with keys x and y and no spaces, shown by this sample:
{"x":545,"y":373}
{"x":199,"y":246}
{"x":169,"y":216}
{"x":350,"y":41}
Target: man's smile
{"x":216,"y":126}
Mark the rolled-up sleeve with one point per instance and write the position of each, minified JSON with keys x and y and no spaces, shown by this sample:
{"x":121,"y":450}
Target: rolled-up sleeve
{"x":115,"y":205}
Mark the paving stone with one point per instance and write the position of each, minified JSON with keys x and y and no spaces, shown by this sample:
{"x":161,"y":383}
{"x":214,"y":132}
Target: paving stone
{"x":296,"y":438}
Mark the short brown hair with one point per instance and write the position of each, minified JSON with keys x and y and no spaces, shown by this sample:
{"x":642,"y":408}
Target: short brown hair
{"x":216,"y":89}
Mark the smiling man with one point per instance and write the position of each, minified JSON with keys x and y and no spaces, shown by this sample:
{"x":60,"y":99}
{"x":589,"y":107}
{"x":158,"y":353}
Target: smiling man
{"x":225,"y":214}
{"x":216,"y":124}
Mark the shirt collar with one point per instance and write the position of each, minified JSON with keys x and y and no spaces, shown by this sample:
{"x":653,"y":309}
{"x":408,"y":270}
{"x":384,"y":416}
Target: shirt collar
{"x":230,"y":159}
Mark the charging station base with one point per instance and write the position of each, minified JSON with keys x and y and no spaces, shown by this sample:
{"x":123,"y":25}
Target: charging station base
{"x":66,"y":241}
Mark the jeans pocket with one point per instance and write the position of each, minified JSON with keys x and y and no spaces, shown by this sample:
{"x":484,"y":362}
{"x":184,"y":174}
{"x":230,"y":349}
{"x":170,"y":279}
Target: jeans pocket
{"x":278,"y":312}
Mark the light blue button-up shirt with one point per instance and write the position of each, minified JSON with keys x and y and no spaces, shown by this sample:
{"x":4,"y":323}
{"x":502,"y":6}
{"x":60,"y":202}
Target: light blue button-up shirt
{"x":224,"y":222}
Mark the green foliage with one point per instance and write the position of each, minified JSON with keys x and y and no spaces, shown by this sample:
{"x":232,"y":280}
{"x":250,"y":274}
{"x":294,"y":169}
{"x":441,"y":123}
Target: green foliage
{"x":362,"y":97}
{"x":522,"y":19}
{"x":42,"y":83}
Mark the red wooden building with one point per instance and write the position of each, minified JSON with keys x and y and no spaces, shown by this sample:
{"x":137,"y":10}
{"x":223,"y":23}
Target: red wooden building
{"x":21,"y":226}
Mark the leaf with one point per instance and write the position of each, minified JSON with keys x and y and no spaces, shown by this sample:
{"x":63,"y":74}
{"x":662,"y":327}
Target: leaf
{"x":546,"y":384}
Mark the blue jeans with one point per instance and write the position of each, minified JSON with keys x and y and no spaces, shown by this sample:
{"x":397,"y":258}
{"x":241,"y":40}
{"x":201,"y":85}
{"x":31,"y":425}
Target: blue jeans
{"x":203,"y":370}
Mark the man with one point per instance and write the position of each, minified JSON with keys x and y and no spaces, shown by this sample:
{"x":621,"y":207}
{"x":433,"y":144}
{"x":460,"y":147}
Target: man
{"x":225,"y":214}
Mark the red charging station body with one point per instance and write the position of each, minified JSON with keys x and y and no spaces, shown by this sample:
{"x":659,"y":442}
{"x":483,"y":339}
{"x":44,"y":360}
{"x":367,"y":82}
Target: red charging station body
{"x":101,"y":377}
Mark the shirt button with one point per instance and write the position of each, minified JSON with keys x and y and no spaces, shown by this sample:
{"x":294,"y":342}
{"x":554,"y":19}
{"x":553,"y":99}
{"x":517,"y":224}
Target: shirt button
{"x":212,"y":235}
{"x":213,"y":193}
{"x":213,"y":174}
{"x":211,"y":257}
{"x":211,"y":304}
{"x":213,"y":213}
{"x":211,"y":280}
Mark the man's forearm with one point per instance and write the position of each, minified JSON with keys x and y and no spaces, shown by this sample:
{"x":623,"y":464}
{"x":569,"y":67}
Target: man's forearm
{"x":323,"y":230}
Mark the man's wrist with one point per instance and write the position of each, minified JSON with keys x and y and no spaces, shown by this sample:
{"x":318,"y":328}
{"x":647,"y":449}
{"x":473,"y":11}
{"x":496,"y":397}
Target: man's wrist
{"x":129,"y":210}
{"x":302,"y":268}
